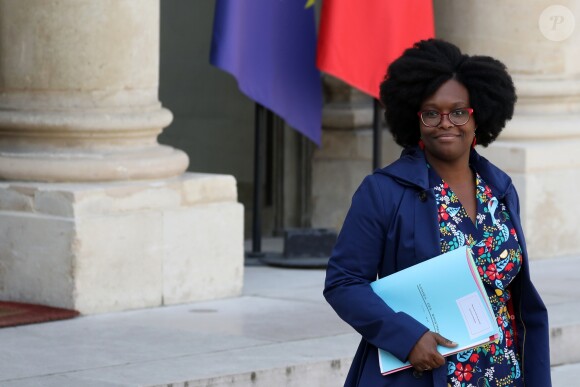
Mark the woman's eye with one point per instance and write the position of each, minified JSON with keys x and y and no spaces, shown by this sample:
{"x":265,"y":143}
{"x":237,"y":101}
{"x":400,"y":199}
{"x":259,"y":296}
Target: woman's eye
{"x":459,"y":113}
{"x":431,"y":114}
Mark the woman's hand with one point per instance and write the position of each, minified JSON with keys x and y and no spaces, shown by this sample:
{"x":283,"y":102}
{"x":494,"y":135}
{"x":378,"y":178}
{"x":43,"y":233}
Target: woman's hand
{"x":424,"y":355}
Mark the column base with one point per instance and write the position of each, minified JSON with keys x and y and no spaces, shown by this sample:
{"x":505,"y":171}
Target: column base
{"x":85,"y":146}
{"x":115,"y":246}
{"x":338,"y":168}
{"x":155,"y":162}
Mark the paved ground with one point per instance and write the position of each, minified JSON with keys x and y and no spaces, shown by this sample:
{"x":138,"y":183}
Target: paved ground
{"x":279,"y":333}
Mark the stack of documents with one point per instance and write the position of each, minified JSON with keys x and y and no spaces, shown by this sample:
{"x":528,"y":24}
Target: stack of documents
{"x":444,"y":293}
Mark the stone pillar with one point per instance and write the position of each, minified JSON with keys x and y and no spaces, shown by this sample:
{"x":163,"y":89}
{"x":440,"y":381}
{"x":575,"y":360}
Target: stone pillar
{"x":95,"y":214}
{"x":345,"y":156}
{"x":78,"y":92}
{"x":540,"y":45}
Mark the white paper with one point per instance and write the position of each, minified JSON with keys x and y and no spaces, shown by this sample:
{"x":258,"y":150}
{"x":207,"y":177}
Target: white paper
{"x":473,"y":312}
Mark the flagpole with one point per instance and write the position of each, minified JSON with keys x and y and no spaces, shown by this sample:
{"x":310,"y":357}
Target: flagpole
{"x":257,"y":199}
{"x":377,"y":135}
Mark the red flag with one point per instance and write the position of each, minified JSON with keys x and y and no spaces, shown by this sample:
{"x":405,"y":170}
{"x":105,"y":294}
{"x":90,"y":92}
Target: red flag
{"x":359,"y":39}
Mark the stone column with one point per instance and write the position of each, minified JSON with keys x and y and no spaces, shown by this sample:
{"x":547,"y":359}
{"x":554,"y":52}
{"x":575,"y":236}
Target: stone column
{"x":78,"y":92}
{"x":95,"y":214}
{"x":540,"y":45}
{"x":345,"y":156}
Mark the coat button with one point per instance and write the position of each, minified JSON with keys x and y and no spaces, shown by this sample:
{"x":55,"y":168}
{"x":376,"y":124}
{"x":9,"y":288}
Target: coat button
{"x":417,"y":374}
{"x":423,"y":196}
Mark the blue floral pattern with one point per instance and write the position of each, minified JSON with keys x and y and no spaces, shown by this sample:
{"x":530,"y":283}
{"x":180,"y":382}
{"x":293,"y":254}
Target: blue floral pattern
{"x":498,"y":257}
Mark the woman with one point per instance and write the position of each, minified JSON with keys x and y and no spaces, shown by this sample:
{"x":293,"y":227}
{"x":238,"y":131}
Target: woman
{"x":438,"y":196}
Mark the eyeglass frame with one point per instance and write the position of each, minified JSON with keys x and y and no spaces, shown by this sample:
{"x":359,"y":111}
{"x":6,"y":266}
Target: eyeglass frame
{"x":470,"y":110}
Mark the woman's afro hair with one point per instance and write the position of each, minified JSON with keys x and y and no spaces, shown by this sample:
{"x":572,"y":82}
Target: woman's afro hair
{"x":422,"y":69}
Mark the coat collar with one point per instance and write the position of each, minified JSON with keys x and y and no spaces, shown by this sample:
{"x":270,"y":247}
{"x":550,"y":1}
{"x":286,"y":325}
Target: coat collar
{"x":411,"y":170}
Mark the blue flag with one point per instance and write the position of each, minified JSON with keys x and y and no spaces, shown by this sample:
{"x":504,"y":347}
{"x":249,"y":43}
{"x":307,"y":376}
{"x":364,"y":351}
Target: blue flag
{"x":269,"y":46}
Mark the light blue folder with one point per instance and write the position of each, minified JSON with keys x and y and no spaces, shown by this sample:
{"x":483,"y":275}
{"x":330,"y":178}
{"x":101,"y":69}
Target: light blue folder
{"x":444,"y":293}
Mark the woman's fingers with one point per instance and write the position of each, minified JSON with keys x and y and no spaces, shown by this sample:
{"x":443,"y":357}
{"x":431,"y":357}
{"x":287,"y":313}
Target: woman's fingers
{"x":424,"y":355}
{"x":443,"y":341}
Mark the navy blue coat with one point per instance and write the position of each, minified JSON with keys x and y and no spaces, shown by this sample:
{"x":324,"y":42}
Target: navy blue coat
{"x":392,"y":224}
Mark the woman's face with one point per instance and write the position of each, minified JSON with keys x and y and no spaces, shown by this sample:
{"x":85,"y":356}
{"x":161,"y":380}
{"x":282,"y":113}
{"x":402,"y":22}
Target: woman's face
{"x":447,"y":142}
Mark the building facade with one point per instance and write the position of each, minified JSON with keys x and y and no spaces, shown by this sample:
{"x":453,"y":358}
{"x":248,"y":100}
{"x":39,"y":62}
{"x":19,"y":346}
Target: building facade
{"x":126,"y":159}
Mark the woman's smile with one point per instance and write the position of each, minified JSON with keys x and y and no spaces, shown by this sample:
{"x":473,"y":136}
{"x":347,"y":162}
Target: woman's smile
{"x":447,"y":136}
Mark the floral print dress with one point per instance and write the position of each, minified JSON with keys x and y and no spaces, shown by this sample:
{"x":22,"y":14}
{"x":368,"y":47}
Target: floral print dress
{"x":498,"y":257}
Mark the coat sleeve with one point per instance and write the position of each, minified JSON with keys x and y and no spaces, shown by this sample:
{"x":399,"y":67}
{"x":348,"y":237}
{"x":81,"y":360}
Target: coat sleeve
{"x":532,"y":322}
{"x":354,"y":265}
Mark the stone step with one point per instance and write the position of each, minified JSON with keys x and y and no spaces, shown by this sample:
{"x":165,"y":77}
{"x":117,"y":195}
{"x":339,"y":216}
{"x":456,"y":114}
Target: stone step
{"x":331,"y":372}
{"x":565,"y":333}
{"x":566,"y":375}
{"x":280,"y":333}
